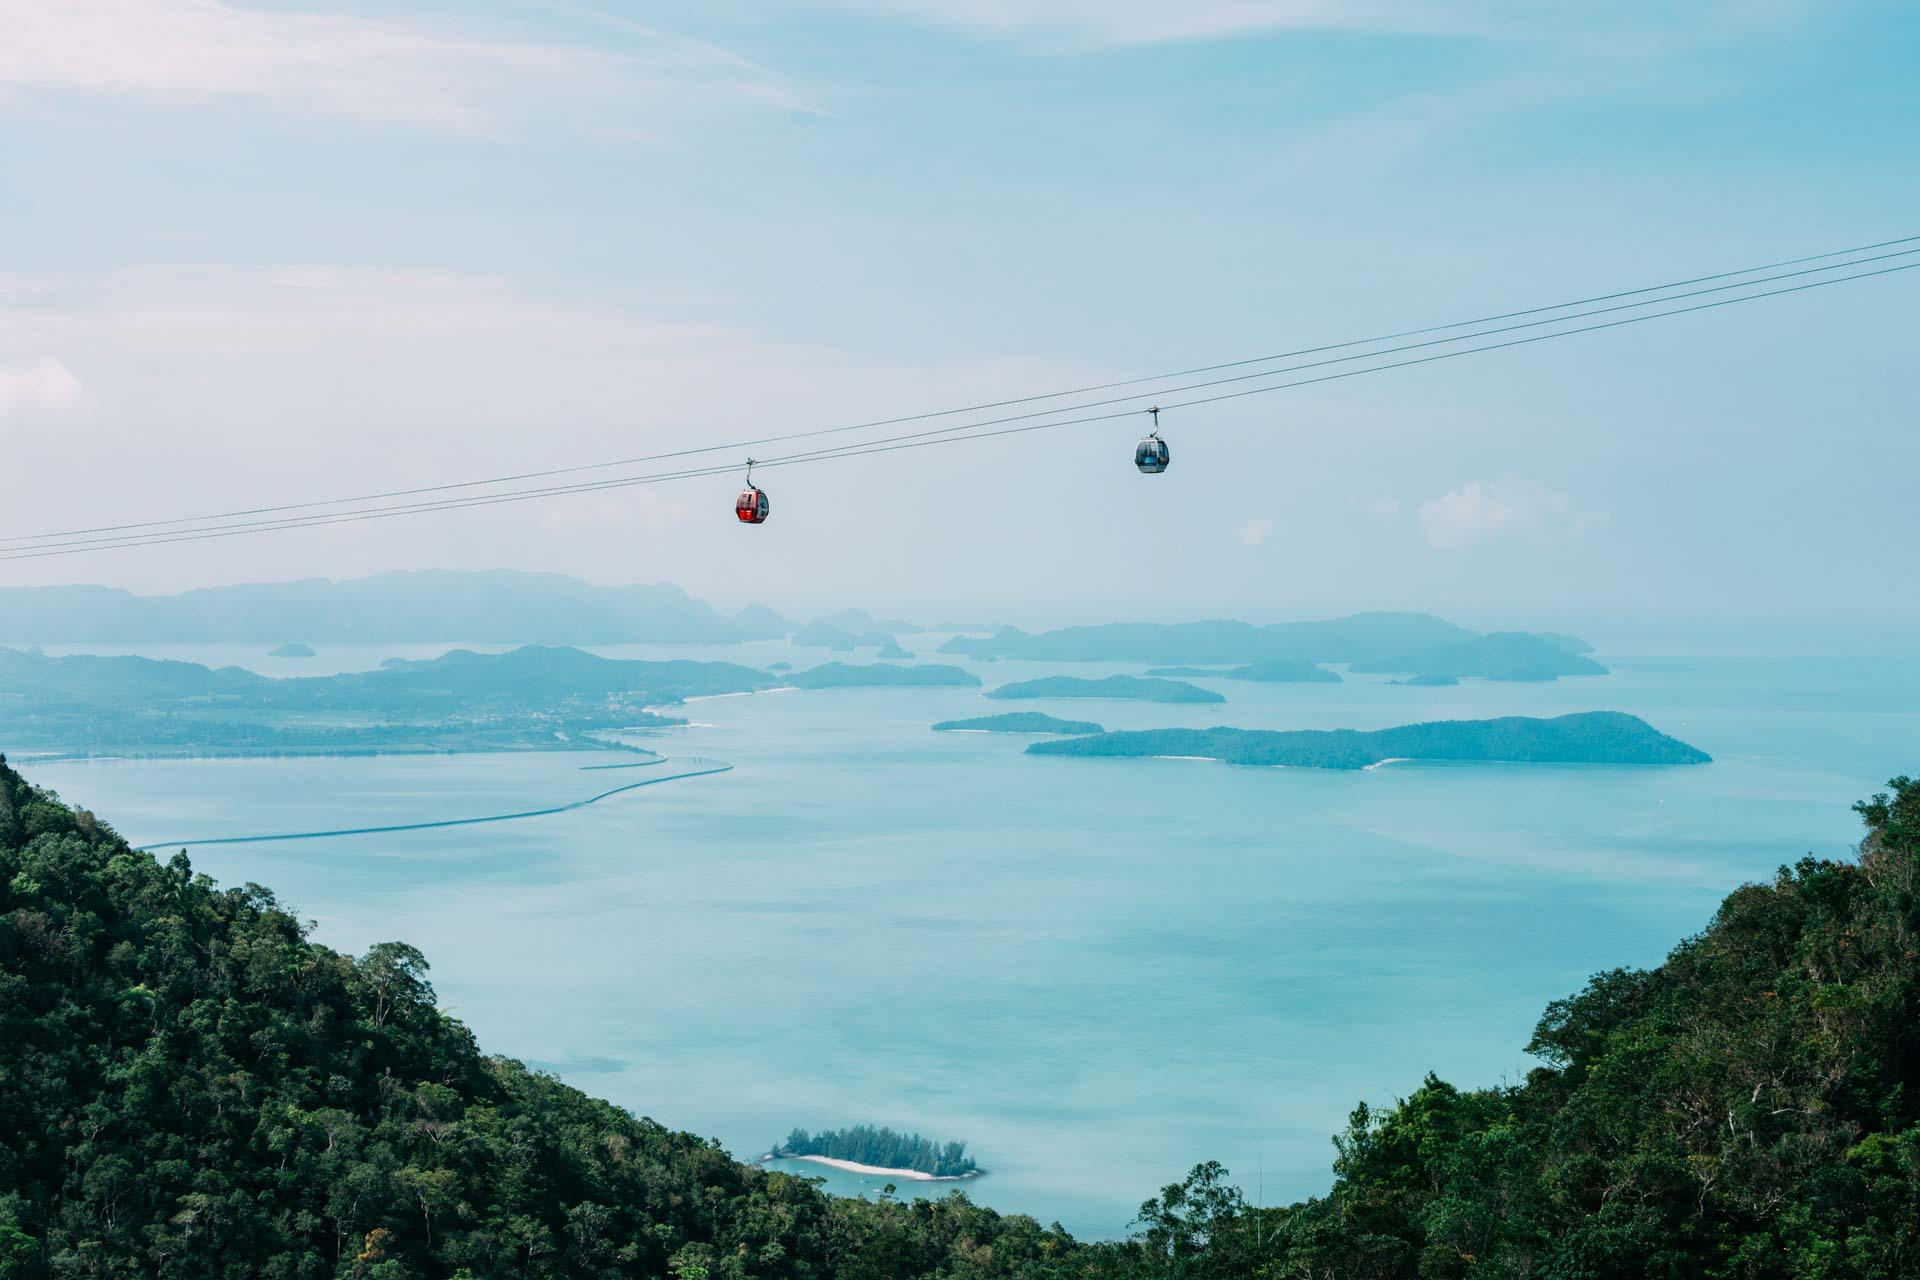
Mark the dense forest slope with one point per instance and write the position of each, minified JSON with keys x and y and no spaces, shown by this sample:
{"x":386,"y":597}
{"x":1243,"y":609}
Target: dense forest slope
{"x":1751,"y":1108}
{"x":191,"y":1088}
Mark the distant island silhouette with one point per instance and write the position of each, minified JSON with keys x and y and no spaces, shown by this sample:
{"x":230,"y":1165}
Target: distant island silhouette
{"x":1019,"y":722}
{"x":1504,"y":655}
{"x":1130,"y":688}
{"x":1591,"y":737}
{"x":842,"y":675}
{"x":1272,"y":671}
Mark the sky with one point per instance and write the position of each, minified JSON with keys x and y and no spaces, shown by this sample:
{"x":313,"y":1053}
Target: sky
{"x":254,"y":253}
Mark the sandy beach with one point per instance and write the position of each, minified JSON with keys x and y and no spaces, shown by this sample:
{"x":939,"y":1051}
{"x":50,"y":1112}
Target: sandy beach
{"x":853,"y":1167}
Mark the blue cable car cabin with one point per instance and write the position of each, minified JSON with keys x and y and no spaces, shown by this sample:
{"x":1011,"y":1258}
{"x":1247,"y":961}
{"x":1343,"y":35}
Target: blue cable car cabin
{"x":1152,"y":455}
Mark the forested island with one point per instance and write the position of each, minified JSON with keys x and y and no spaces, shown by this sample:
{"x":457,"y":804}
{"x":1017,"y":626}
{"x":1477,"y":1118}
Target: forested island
{"x":1130,"y":688}
{"x":1590,"y":737}
{"x":194,"y":1088}
{"x":1019,"y":722}
{"x":881,"y":675}
{"x":881,"y":1150}
{"x":532,"y":698}
{"x":292,"y":649}
{"x":1272,"y":671}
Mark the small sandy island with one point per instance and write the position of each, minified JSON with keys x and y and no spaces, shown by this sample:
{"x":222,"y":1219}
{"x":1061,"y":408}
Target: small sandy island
{"x":852,"y":1167}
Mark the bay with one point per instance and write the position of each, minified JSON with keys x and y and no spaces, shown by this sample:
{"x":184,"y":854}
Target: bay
{"x":1097,"y":972}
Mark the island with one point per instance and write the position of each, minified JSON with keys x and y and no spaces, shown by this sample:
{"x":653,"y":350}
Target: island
{"x":865,"y":1149}
{"x":291,"y":650}
{"x":1224,"y":642}
{"x":1018,"y":722}
{"x":1561,"y":640}
{"x":1503,"y":655}
{"x":1428,"y":681}
{"x":1588,"y":737}
{"x":841,"y":675}
{"x":1272,"y":671}
{"x":1131,"y":688}
{"x":535,"y":698}
{"x":824,"y":634}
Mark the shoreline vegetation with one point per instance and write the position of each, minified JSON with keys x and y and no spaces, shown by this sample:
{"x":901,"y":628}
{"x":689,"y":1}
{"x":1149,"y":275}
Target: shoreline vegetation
{"x":874,"y":1170}
{"x":862,"y":1148}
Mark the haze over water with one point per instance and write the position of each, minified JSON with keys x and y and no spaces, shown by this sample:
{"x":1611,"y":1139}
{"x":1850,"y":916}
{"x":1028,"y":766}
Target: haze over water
{"x":1097,"y":972}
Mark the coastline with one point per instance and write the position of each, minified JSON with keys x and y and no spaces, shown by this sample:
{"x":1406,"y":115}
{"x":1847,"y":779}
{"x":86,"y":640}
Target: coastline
{"x":851,"y":1166}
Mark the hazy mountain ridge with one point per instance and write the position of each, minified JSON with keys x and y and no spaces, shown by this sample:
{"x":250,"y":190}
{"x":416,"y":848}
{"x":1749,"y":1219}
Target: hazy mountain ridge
{"x":1500,"y":655}
{"x":495,"y":606}
{"x":1358,"y":637}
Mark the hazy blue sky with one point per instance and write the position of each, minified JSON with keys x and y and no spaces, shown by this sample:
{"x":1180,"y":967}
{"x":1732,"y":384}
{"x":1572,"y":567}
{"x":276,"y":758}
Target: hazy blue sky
{"x":251,"y":252}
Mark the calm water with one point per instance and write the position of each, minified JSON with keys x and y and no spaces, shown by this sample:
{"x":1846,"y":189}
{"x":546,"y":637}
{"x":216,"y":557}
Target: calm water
{"x":1096,"y":972}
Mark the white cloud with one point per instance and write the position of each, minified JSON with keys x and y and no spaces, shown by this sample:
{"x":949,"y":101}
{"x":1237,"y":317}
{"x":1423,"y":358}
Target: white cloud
{"x":1255,"y":531}
{"x":1481,"y":510}
{"x":376,"y":69}
{"x":1151,"y":21}
{"x":1383,"y":508}
{"x":45,"y":384}
{"x":1631,"y":24}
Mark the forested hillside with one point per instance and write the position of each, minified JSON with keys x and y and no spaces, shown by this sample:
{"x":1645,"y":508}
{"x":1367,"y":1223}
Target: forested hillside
{"x":191,"y":1088}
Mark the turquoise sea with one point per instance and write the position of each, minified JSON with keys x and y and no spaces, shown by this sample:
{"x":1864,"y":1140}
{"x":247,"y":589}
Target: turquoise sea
{"x":1098,"y":972}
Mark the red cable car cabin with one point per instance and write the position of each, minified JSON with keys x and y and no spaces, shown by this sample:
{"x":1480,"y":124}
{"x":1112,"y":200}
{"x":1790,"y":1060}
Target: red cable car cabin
{"x":752,"y":506}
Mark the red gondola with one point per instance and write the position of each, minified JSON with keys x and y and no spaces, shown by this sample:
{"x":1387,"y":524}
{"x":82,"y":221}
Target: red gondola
{"x":751,"y":506}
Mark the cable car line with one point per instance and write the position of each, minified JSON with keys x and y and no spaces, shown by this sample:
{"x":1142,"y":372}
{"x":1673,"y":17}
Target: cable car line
{"x":1022,"y":400}
{"x":114,"y":540}
{"x":889,"y":444}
